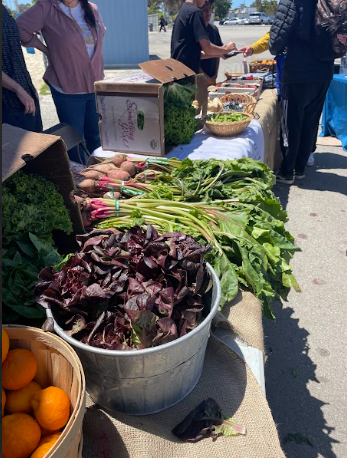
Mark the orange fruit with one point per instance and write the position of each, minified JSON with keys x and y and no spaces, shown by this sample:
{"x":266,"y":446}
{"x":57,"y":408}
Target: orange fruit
{"x":18,"y":369}
{"x":45,"y":445}
{"x":51,"y":408}
{"x":45,"y":432}
{"x":20,"y":435}
{"x":5,"y":344}
{"x":3,"y":401}
{"x":19,"y":401}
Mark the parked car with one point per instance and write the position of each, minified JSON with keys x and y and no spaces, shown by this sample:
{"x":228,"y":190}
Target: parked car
{"x":245,"y":21}
{"x":272,"y":18}
{"x":234,"y":21}
{"x":221,"y":22}
{"x":259,"y":18}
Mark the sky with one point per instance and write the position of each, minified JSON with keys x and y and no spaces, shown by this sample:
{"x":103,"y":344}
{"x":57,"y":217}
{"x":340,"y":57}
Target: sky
{"x":236,"y":3}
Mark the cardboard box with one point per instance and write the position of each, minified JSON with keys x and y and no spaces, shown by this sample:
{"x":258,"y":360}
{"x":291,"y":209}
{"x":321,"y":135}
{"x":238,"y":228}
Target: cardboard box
{"x":44,"y":155}
{"x":131,"y":107}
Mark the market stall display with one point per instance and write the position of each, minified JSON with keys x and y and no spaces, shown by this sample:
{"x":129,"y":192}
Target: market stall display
{"x":217,"y":202}
{"x":136,"y":300}
{"x":43,"y":417}
{"x":238,"y":102}
{"x":334,"y":122}
{"x":261,"y":65}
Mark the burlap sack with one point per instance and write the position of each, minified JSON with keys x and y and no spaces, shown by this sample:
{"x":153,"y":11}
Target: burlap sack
{"x":243,"y":316}
{"x":226,"y":378}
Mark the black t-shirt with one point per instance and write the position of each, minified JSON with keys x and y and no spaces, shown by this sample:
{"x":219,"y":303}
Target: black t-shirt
{"x":209,"y":66}
{"x":188,"y":30}
{"x":13,"y":63}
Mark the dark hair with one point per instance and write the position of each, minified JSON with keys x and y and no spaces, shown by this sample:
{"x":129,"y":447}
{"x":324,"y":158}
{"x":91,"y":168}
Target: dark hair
{"x":88,"y":13}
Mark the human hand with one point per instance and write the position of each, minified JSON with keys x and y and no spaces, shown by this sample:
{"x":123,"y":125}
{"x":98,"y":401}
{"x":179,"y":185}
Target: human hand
{"x":27,"y":101}
{"x":247,"y":51}
{"x":230,"y":46}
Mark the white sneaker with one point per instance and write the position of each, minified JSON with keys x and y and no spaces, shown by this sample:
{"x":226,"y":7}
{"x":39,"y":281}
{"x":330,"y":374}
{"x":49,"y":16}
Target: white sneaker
{"x":310,"y":161}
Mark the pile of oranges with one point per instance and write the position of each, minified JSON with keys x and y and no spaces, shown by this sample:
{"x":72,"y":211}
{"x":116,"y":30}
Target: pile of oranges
{"x":32,"y":417}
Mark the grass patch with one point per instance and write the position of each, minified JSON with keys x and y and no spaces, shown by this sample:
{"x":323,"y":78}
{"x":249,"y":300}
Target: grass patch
{"x":45,"y":90}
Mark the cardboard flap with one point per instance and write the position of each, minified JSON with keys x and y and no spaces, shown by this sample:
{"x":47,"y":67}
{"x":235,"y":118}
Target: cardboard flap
{"x":21,"y":146}
{"x":166,"y":70}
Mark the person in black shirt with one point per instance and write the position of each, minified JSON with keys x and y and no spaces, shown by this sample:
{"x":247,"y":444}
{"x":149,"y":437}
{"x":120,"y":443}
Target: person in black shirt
{"x":190,"y":37}
{"x":210,"y":66}
{"x":20,"y":104}
{"x":162,"y":24}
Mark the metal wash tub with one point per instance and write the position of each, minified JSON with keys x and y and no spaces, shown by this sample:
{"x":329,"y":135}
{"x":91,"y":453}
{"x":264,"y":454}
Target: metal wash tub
{"x":146,"y":381}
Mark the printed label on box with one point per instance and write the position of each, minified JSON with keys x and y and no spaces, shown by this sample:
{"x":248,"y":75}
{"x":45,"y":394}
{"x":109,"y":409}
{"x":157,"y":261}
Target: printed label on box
{"x":129,"y":123}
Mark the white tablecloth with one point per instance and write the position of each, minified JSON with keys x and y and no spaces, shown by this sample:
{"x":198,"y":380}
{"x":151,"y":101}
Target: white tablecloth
{"x":249,"y":143}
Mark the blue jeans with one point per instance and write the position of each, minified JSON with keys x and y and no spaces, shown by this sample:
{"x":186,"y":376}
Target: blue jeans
{"x":24,"y":121}
{"x":79,"y":111}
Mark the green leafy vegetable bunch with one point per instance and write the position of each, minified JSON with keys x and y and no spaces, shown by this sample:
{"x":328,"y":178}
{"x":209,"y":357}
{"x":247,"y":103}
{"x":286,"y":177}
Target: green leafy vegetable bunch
{"x":32,"y":204}
{"x":180,"y":124}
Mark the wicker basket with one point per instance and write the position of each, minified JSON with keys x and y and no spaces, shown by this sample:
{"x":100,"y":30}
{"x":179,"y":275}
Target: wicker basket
{"x":58,"y":365}
{"x":230,"y":76}
{"x":257,"y":66}
{"x":248,"y":101}
{"x":227,"y":129}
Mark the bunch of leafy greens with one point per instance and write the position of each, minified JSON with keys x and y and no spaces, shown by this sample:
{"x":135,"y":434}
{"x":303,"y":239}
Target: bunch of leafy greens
{"x":232,"y":208}
{"x":31,"y":204}
{"x":180,"y":124}
{"x":128,"y":290}
{"x":21,"y":265}
{"x":32,"y":208}
{"x":207,"y":420}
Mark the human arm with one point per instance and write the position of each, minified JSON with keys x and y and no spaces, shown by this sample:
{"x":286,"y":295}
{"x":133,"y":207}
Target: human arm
{"x":258,"y":47}
{"x":210,"y":50}
{"x":202,"y":37}
{"x":30,"y":23}
{"x":282,"y":26}
{"x":23,"y":96}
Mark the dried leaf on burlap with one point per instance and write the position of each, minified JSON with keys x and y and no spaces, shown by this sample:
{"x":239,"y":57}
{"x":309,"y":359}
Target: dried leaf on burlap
{"x":207,"y":420}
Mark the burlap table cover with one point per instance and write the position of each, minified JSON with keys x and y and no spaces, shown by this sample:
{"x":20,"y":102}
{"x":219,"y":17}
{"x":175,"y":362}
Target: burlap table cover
{"x":269,"y":118}
{"x":226,"y":378}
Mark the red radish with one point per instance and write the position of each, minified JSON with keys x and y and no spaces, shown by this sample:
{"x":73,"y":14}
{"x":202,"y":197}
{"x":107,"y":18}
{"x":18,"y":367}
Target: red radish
{"x":92,"y":174}
{"x":117,"y":160}
{"x":111,"y":195}
{"x":129,"y":167}
{"x":87,"y":186}
{"x":118,"y":175}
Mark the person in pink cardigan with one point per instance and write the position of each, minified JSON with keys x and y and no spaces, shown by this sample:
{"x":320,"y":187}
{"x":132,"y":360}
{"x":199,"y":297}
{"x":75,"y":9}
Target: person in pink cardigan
{"x":73,"y":32}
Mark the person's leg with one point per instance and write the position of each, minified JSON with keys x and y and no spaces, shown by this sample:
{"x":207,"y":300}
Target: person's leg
{"x":91,"y":124}
{"x":71,"y":110}
{"x":293,"y":108}
{"x":316,"y":93}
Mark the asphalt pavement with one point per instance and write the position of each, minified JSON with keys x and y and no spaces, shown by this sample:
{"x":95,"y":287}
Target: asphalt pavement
{"x":306,"y":369}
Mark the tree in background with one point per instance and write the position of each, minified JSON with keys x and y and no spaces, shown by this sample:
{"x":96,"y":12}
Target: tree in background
{"x":173,"y":6}
{"x":259,"y":5}
{"x":222,"y":7}
{"x":265,"y":6}
{"x":25,"y":7}
{"x":153,"y":7}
